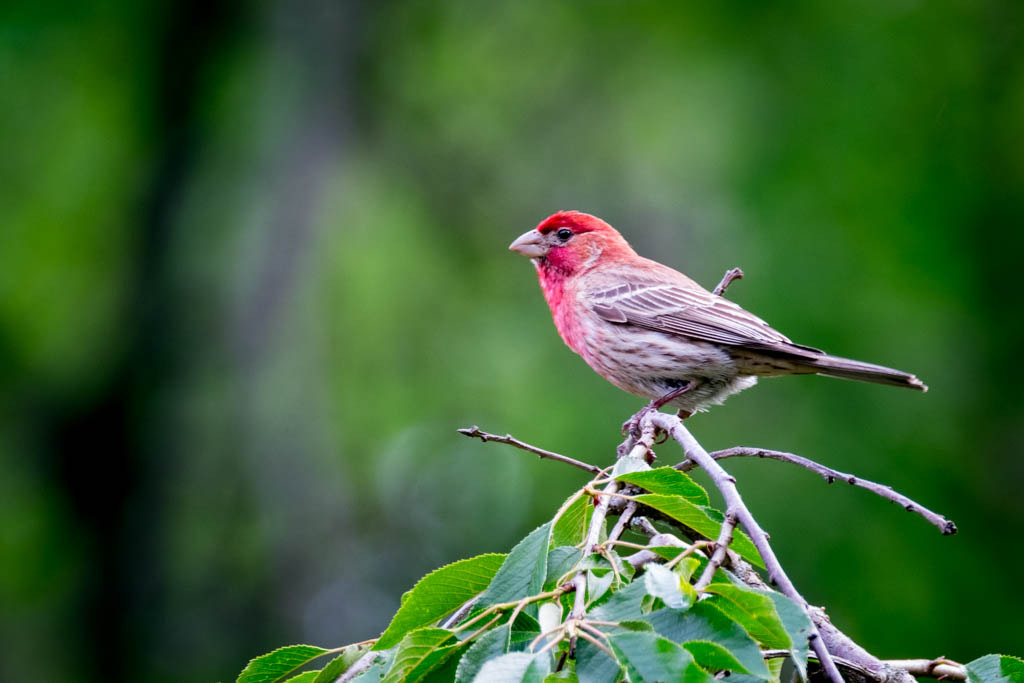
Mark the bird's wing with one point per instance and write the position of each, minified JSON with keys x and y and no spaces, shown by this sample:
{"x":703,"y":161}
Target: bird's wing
{"x":688,"y":311}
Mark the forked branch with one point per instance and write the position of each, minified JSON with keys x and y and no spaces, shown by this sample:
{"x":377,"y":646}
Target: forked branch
{"x":726,"y":484}
{"x":829,"y":643}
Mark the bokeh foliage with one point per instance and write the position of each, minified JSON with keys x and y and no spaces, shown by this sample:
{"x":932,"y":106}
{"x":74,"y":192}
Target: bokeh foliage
{"x":253,"y":276}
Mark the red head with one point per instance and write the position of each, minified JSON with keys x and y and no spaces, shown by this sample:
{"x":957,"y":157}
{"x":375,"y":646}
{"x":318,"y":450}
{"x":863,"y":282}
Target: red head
{"x":570,"y":242}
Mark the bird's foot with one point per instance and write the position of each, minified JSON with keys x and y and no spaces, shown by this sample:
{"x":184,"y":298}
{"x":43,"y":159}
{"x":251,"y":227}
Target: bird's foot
{"x":631,"y":427}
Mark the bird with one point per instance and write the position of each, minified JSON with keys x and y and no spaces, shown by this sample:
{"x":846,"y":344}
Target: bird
{"x":652,"y":331}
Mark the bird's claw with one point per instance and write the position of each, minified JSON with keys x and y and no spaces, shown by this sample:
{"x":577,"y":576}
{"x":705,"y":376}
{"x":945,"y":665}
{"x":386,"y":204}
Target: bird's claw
{"x":631,"y":427}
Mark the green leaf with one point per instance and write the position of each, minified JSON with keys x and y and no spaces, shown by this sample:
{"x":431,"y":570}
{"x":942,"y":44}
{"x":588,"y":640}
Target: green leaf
{"x":700,"y":520}
{"x":524,"y":630}
{"x":489,"y":645}
{"x":649,"y":657}
{"x":439,"y":593}
{"x":572,"y":520}
{"x":593,"y":665}
{"x":598,"y":583}
{"x":753,"y":611}
{"x":703,"y":622}
{"x":445,"y":671}
{"x":623,"y":604}
{"x":377,"y":670}
{"x":568,"y":673}
{"x":515,"y":667}
{"x":670,"y":482}
{"x":996,"y":669}
{"x":418,"y":653}
{"x":663,"y":583}
{"x":523,"y":571}
{"x":340,"y":664}
{"x":798,"y":627}
{"x":274,"y":666}
{"x":304,"y":677}
{"x":561,"y":561}
{"x":629,"y":464}
{"x":713,"y":658}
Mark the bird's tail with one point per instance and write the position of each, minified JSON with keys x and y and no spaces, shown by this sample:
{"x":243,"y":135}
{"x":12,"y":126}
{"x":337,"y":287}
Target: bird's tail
{"x":834,"y":366}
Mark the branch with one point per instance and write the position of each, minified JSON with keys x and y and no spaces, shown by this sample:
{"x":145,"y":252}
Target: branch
{"x":721,"y":547}
{"x":657,"y":540}
{"x":461,"y":613}
{"x":730,"y":275}
{"x":475,"y":431}
{"x":360,"y":665}
{"x":579,"y":607}
{"x":834,"y":649}
{"x":624,"y":518}
{"x":727,"y":485}
{"x":940,"y":667}
{"x":830,"y":475}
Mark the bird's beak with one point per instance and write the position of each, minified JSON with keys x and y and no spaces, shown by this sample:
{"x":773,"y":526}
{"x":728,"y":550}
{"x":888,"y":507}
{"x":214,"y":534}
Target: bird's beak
{"x":530,"y":244}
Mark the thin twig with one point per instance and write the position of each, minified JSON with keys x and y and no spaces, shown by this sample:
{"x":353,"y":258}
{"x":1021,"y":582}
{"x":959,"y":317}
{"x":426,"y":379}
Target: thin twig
{"x":475,"y":431}
{"x":597,"y":519}
{"x":830,"y":475}
{"x":360,"y":665}
{"x":727,"y":486}
{"x":721,"y":548}
{"x":579,"y":606}
{"x":518,"y":604}
{"x":940,"y":667}
{"x":596,"y":632}
{"x":644,"y":526}
{"x":842,"y":648}
{"x":647,"y":555}
{"x":624,"y":518}
{"x":894,"y":671}
{"x":596,"y":643}
{"x":460,"y":613}
{"x":730,"y":275}
{"x":694,"y":548}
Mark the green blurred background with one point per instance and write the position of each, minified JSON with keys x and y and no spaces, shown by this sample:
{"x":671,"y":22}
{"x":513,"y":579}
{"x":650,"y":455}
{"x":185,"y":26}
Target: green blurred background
{"x":253,"y":275}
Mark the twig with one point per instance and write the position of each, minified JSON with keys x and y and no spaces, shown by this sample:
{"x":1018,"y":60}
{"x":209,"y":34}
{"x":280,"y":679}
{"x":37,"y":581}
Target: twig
{"x":842,"y":646}
{"x":694,"y":548}
{"x":721,"y":548}
{"x":460,"y":613}
{"x":579,"y":607}
{"x":849,"y":654}
{"x":486,"y":626}
{"x":644,"y":526}
{"x":893,"y":671}
{"x":597,"y":519}
{"x":730,"y":275}
{"x":517,"y":604}
{"x":360,"y":665}
{"x":623,"y":521}
{"x":639,"y":449}
{"x":940,"y":667}
{"x":597,"y":643}
{"x":647,"y":555}
{"x":727,"y":485}
{"x":830,"y":475}
{"x":579,"y":584}
{"x":475,"y":431}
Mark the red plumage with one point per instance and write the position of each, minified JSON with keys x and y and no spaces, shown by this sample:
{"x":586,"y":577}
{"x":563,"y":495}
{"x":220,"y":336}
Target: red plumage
{"x":654,"y":332}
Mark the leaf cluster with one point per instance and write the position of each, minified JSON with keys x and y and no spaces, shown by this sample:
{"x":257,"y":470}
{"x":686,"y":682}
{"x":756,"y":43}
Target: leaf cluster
{"x":556,"y":608}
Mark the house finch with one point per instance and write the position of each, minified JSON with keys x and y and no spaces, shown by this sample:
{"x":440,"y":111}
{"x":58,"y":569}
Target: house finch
{"x":652,"y":331}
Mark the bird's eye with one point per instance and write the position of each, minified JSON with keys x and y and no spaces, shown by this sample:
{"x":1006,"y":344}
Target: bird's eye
{"x":564,"y":234}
